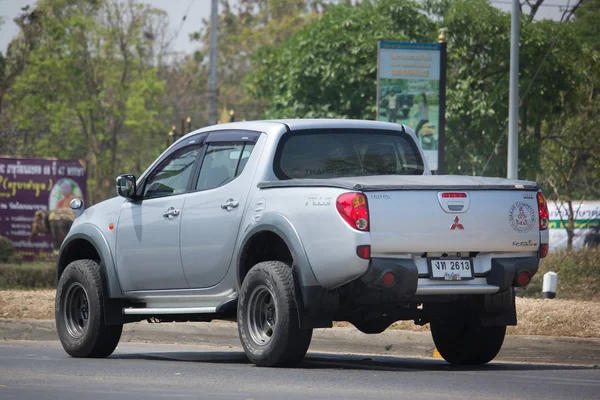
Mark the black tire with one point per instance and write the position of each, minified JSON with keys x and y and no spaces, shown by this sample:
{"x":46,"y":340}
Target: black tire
{"x":405,"y":114}
{"x":464,"y":341}
{"x":79,"y":294}
{"x":268,"y":318}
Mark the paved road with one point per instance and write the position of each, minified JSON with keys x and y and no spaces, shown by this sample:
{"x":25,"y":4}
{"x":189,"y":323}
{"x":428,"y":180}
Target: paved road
{"x":41,"y":370}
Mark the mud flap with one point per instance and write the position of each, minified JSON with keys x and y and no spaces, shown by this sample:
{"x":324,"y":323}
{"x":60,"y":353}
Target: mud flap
{"x":499,"y":309}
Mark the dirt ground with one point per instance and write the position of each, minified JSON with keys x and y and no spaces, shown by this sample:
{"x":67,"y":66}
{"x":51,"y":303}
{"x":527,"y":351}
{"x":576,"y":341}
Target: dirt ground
{"x":535,"y":316}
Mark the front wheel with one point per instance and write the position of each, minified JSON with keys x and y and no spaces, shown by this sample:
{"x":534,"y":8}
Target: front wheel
{"x":465,"y":341}
{"x":79,"y":314}
{"x":268,"y":318}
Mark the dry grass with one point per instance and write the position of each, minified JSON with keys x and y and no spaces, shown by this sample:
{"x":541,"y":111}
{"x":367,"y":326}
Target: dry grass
{"x":541,"y":317}
{"x":27,"y":304}
{"x":535,"y":317}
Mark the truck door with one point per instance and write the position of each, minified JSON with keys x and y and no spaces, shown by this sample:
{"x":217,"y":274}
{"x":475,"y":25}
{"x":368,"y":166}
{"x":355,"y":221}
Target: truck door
{"x":213,"y":211}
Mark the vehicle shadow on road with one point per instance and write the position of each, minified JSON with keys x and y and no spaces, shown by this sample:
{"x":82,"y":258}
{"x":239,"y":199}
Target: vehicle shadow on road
{"x":347,"y":362}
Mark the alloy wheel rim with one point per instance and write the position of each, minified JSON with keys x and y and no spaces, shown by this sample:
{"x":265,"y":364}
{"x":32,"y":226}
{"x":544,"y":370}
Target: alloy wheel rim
{"x":261,"y":315}
{"x":76,"y":310}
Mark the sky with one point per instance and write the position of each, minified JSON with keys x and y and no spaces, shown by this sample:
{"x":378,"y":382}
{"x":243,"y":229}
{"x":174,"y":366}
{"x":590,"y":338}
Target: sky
{"x":197,"y":10}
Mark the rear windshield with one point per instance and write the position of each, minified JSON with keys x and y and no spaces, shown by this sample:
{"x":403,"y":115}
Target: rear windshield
{"x":337,"y":153}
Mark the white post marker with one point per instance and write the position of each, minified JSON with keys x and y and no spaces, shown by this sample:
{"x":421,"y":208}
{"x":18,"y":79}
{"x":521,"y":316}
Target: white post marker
{"x":549,"y":286}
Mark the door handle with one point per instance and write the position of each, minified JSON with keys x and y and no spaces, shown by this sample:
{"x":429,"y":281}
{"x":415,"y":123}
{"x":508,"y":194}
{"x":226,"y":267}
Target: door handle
{"x":230,"y":204}
{"x":171,"y":213}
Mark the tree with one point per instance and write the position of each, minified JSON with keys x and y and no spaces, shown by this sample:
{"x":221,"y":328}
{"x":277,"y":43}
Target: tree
{"x":244,"y":27}
{"x":329,"y":68}
{"x":91,"y":88}
{"x":571,"y":144}
{"x":14,"y":60}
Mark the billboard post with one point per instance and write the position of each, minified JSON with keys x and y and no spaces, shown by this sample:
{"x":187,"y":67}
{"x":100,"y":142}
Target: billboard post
{"x":442,"y":129}
{"x":408,"y":91}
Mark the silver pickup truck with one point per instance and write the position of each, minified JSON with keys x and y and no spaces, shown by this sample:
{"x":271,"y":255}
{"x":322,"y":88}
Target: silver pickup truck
{"x":287,"y":226}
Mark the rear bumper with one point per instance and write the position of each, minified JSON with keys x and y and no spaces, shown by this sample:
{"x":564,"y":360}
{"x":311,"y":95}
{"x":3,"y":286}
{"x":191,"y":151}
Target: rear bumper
{"x":500,"y":278}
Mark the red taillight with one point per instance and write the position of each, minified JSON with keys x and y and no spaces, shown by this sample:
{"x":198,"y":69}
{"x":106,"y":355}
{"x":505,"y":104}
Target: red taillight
{"x":544,"y":250}
{"x":353,"y":208}
{"x":364,"y":251}
{"x":454,"y":195}
{"x":543,"y":209}
{"x":523,"y":278}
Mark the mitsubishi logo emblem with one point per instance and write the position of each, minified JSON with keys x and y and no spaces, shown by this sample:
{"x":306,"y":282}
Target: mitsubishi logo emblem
{"x":456,"y":225}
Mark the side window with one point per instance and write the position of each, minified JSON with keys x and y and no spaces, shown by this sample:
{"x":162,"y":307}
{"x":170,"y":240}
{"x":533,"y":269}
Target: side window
{"x":222,"y":163}
{"x":172,"y":176}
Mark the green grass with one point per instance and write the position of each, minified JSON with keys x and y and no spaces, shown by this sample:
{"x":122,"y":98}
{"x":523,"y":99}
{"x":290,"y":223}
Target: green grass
{"x":578,"y":276}
{"x":30,"y":265}
{"x":34,"y":275}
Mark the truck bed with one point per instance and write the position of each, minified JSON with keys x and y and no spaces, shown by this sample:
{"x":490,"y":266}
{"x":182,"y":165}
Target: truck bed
{"x":407,"y":182}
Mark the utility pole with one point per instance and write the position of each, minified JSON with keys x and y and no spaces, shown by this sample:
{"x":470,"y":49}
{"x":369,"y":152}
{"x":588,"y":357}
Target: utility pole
{"x":212,"y":68}
{"x":513,"y":101}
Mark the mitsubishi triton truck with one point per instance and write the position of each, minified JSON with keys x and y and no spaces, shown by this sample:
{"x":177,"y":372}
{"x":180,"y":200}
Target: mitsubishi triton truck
{"x":286,"y":226}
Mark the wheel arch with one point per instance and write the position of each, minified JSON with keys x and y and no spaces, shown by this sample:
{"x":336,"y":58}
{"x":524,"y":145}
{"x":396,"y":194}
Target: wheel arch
{"x":279,"y":228}
{"x":86,"y":241}
{"x":310,"y":294}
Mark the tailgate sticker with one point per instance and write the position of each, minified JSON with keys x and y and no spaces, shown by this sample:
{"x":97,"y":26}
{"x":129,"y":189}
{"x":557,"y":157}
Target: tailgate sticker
{"x":521,"y":217}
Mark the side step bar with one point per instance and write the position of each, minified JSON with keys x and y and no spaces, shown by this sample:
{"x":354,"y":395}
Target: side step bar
{"x":169,"y":310}
{"x":224,"y":307}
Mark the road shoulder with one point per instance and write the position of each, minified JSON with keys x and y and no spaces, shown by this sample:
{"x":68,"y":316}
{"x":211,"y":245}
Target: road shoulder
{"x":397,"y":343}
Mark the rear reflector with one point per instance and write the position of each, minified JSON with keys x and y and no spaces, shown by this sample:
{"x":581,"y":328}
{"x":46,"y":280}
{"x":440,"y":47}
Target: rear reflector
{"x":544,"y":250}
{"x":454,"y":195}
{"x":388,"y":279}
{"x":523,"y":279}
{"x":364,"y":251}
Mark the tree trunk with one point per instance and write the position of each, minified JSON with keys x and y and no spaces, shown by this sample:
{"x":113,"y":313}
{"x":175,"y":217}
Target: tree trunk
{"x":538,"y":130}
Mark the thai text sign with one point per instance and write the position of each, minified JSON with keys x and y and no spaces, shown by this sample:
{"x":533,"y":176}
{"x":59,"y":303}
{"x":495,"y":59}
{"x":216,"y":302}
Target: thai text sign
{"x":586,"y":213}
{"x":408,"y":91}
{"x":28,"y":185}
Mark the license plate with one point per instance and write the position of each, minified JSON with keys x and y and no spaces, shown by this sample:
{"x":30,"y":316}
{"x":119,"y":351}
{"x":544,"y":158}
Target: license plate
{"x":450,"y":269}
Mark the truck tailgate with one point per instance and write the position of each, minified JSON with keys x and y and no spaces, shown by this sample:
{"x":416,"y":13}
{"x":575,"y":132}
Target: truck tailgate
{"x":438,"y":220}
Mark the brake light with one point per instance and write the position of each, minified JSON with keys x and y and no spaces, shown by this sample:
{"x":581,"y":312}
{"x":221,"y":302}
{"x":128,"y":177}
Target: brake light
{"x":354,"y":210}
{"x":454,"y":195}
{"x":543,"y":209}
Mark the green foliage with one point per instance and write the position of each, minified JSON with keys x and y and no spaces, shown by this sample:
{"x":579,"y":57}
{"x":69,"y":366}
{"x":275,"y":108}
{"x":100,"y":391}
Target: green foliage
{"x":36,"y":276}
{"x":243,"y":28}
{"x":91,"y":88}
{"x":578,"y":275}
{"x":329,"y":68}
{"x":478,"y":78}
{"x":6,"y":249}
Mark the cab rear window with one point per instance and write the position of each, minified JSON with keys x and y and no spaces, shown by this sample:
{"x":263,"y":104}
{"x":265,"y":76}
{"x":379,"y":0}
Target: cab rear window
{"x":337,"y":153}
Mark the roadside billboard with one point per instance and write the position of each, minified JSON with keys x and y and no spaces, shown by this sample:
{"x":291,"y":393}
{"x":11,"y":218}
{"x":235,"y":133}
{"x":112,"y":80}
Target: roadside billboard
{"x":586,"y":214}
{"x":408,"y":91}
{"x":28,"y":185}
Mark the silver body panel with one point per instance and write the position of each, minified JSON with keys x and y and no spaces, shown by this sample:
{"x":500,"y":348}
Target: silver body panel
{"x":190,"y":262}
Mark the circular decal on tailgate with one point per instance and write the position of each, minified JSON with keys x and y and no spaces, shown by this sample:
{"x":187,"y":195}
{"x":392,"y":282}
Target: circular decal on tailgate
{"x":521,"y":217}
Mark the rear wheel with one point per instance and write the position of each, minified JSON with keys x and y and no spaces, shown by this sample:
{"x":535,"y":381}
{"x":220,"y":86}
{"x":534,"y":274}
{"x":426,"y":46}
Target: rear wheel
{"x":464,"y":341}
{"x":268,"y":318}
{"x":79,"y":313}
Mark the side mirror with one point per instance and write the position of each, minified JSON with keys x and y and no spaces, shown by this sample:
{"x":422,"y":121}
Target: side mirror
{"x":126,"y":186}
{"x":77,"y":206}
